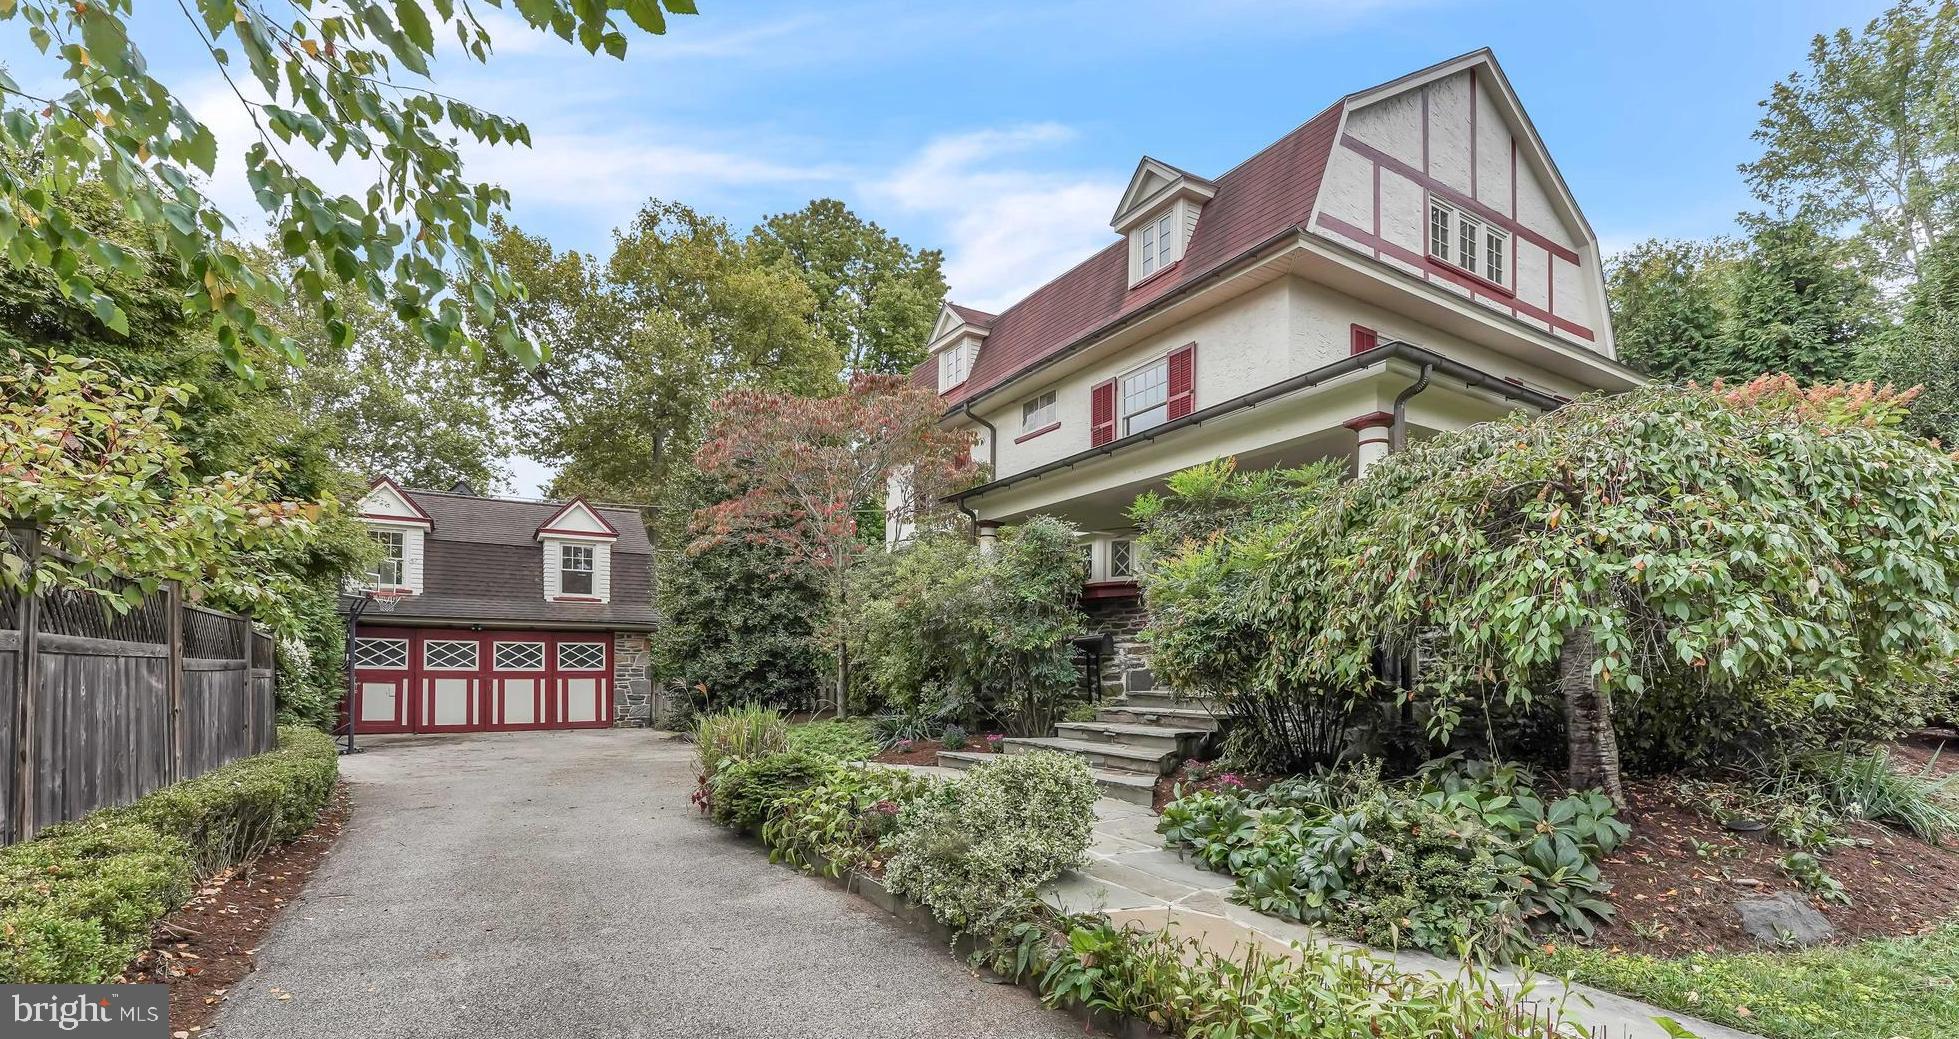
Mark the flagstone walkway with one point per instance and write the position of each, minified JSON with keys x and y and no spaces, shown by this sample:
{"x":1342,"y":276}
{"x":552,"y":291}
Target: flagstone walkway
{"x":1132,"y":879}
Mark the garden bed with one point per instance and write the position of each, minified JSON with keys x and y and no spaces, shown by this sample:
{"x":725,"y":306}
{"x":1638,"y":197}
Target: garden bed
{"x":204,"y":948}
{"x":1674,"y":899}
{"x":925,"y":752}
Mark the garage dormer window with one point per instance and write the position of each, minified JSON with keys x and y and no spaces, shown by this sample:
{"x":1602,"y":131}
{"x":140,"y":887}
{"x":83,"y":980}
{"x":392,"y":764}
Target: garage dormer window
{"x":1157,"y":244}
{"x":391,"y":570}
{"x":576,"y":567}
{"x":1468,"y":242}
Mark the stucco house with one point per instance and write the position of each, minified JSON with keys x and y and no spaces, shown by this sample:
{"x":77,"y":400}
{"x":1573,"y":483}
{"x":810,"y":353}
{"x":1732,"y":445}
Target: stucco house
{"x":1407,"y":261}
{"x":497,"y":613}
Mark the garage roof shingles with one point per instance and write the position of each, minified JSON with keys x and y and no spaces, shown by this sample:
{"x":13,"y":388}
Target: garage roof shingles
{"x":483,"y":565}
{"x":1259,"y":199}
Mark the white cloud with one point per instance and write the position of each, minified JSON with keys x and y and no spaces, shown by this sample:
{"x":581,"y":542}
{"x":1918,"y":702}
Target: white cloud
{"x":1007,"y":228}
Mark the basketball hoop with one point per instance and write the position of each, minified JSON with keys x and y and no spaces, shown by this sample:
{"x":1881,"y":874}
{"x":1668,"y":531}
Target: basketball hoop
{"x":384,"y":600}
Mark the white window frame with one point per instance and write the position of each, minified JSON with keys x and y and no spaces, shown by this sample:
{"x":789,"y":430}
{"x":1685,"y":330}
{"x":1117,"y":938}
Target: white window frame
{"x":395,"y":543}
{"x":1468,"y":243}
{"x":955,"y":365}
{"x":1122,"y":559}
{"x":1038,"y":411}
{"x":1124,"y":414}
{"x":604,"y":658}
{"x":362,"y":642}
{"x":566,"y":552}
{"x":496,"y":656}
{"x":475,"y":654}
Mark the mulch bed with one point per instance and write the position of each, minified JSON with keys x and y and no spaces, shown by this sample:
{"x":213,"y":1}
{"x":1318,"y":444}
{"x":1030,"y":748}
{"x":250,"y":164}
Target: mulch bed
{"x":1672,"y":901}
{"x":924,"y":752}
{"x":1938,"y":748}
{"x":206,"y":947}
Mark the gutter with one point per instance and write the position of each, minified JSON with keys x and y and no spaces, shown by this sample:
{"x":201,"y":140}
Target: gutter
{"x":1431,"y":362}
{"x":992,"y":465}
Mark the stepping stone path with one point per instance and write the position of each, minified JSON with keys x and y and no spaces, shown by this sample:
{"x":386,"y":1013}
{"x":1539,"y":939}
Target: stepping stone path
{"x":1131,"y":743}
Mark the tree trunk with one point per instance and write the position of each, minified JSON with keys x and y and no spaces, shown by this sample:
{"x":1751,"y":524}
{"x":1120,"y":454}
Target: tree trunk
{"x":1593,"y":746}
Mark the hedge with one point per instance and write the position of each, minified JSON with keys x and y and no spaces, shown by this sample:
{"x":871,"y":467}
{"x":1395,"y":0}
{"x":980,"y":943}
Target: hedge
{"x":78,"y":902}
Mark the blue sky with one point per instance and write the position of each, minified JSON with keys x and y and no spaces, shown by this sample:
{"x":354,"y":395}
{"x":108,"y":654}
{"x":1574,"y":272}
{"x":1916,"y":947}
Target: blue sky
{"x":1002,"y":132}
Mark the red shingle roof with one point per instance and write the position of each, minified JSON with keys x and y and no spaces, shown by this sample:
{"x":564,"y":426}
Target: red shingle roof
{"x":1262,"y":197}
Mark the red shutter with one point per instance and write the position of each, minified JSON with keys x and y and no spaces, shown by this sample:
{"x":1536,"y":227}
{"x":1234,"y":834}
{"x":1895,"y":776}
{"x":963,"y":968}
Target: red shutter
{"x":1102,"y":413}
{"x":1183,"y":381}
{"x":1364,"y":339}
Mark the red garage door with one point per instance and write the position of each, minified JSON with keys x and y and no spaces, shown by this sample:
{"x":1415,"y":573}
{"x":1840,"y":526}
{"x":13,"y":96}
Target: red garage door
{"x":437,"y":680}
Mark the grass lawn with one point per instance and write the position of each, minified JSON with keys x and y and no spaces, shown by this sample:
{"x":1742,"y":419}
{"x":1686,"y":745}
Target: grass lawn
{"x":1900,"y":987}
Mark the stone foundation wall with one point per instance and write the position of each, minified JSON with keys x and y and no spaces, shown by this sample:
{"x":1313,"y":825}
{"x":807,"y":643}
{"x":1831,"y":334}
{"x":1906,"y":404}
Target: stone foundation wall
{"x":632,"y":687}
{"x":1127,"y":666}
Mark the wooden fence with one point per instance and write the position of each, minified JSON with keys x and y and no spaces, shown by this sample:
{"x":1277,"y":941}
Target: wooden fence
{"x":103,"y":707}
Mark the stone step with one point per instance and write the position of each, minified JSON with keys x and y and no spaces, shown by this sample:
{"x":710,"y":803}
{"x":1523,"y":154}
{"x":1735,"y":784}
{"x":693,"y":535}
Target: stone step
{"x":1176,"y":717}
{"x":1159,"y":698}
{"x":1102,"y":755}
{"x":1182,"y":740}
{"x":1133,"y":787}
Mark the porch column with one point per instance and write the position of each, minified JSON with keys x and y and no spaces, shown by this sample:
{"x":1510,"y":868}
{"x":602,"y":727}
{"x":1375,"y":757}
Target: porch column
{"x":989,"y":537}
{"x":1371,"y":439}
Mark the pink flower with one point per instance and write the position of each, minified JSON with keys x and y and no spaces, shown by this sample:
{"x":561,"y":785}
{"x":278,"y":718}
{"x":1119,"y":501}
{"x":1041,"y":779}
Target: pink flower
{"x":886,"y":807}
{"x":1231,"y":779}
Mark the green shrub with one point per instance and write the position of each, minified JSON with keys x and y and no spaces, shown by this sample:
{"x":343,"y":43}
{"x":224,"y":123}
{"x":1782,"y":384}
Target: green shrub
{"x":975,"y":851}
{"x":843,"y":821}
{"x":745,"y":790}
{"x":1182,"y":987}
{"x":233,"y":813}
{"x":839,"y":740}
{"x":1869,"y":786}
{"x":739,"y":732}
{"x":953,"y":738}
{"x":78,"y":902}
{"x":1467,"y":854}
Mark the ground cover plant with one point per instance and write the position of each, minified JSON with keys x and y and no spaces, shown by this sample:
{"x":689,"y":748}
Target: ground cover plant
{"x":78,"y":902}
{"x":1893,"y":987}
{"x":847,"y":740}
{"x":845,"y":821}
{"x":1464,"y":856}
{"x":1184,"y":988}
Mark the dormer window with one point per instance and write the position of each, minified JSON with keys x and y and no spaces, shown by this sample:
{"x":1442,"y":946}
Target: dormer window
{"x":391,"y":571}
{"x":955,"y":363}
{"x":1156,"y":245}
{"x":576,"y":569}
{"x":956,"y":339}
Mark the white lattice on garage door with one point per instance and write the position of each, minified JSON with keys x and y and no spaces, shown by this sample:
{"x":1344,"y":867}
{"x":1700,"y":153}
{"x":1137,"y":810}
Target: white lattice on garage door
{"x":449,"y":654}
{"x":388,"y":654}
{"x":519,"y":656}
{"x":581,"y":656}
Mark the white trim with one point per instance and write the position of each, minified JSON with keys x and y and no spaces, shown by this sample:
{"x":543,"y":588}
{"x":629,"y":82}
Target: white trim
{"x":496,"y":655}
{"x":1029,"y":422}
{"x":475,"y":654}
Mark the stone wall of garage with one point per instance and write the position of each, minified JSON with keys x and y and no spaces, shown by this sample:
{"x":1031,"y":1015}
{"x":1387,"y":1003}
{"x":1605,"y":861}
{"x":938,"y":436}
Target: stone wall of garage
{"x":632,"y":683}
{"x":1126,"y":663}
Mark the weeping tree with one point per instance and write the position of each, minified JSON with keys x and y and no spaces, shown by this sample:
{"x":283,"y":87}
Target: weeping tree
{"x":1705,"y":540}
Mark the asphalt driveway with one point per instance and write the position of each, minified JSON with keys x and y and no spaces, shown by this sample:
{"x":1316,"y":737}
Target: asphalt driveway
{"x":559,"y":884}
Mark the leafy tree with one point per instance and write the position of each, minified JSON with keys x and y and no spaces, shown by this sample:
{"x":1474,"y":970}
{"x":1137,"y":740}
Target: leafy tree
{"x":801,"y":470}
{"x":1666,"y":306}
{"x":1868,"y":135}
{"x":383,"y":402}
{"x":350,"y":80}
{"x":642,"y":346}
{"x":737,"y":618}
{"x":876,"y":297}
{"x":1796,"y":305}
{"x":1923,"y":349}
{"x":1698,"y":541}
{"x":90,"y":458}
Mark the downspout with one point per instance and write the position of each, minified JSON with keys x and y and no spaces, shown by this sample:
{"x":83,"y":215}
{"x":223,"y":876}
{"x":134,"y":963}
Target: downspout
{"x":992,"y":466}
{"x":1398,"y":431}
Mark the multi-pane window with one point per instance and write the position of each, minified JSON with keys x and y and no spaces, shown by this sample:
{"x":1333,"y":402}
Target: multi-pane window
{"x":1037,"y":412}
{"x":1122,"y":558}
{"x":392,"y":569}
{"x":1467,"y":242}
{"x":519,"y":656}
{"x":955,"y":363}
{"x":387,"y":654}
{"x":581,"y":656}
{"x":1156,"y":244}
{"x":575,"y":567}
{"x":449,"y":654}
{"x":1145,"y":397}
{"x":1088,"y":559}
